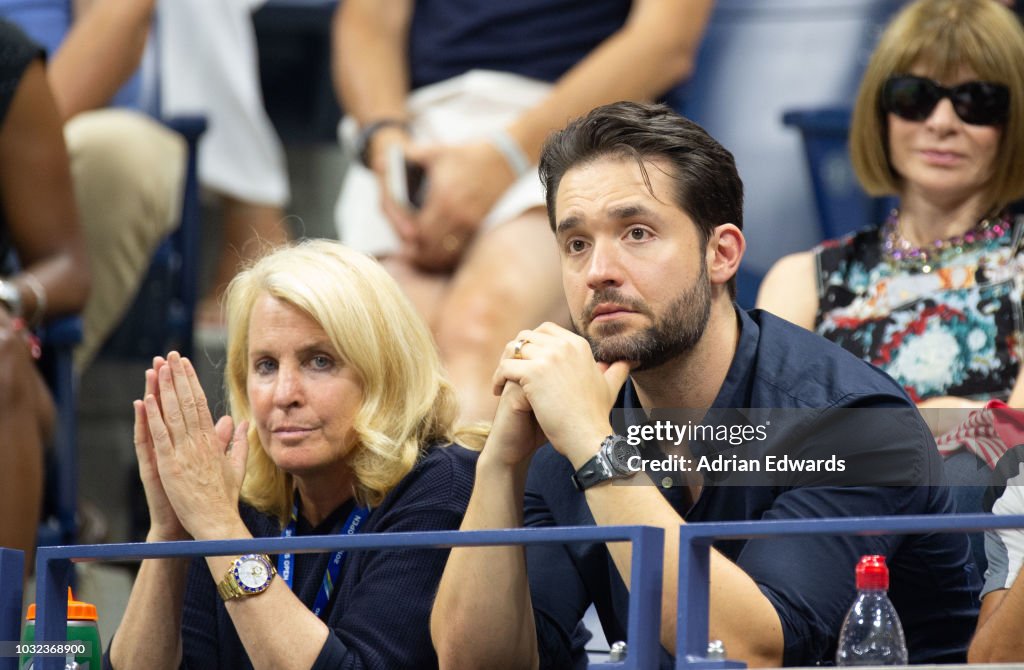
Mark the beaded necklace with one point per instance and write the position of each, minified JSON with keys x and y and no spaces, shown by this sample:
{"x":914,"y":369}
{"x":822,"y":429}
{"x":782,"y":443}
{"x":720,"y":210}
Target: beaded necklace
{"x":900,"y":251}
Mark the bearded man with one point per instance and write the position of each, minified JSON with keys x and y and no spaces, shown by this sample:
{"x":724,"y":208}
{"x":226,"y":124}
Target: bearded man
{"x":646,"y":209}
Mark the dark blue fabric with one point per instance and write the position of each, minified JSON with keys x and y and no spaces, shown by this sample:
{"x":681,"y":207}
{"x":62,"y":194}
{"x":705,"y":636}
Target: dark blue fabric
{"x":379,"y":613}
{"x":809,"y":580}
{"x":540,"y":39}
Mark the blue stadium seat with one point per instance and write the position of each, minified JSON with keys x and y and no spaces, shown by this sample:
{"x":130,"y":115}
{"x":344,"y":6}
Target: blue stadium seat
{"x":842,"y":205}
{"x":60,"y":503}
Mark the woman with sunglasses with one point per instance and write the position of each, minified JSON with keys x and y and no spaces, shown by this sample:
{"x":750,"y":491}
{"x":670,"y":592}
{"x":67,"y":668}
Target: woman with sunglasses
{"x":933,"y":294}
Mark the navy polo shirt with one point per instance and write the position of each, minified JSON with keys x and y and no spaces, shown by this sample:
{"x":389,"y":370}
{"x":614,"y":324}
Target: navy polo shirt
{"x":809,"y":580}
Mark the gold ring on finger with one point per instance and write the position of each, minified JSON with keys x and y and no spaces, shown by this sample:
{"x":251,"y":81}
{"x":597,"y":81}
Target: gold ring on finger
{"x":517,"y":351}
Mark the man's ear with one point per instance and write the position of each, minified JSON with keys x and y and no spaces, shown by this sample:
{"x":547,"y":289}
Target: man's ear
{"x":724,"y":253}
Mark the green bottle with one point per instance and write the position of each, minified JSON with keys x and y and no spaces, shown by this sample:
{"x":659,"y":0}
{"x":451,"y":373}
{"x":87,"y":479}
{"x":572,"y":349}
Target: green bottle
{"x":81,"y":628}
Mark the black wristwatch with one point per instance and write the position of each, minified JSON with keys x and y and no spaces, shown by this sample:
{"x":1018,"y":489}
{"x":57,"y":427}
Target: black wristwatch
{"x":616,"y":459}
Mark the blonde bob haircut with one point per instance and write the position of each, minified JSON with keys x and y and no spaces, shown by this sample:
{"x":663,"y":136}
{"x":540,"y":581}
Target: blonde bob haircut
{"x":407,"y":401}
{"x":941,"y":36}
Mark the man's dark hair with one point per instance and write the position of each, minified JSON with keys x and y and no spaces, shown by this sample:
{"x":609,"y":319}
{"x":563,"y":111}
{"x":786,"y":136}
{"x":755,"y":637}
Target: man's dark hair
{"x":708,"y":187}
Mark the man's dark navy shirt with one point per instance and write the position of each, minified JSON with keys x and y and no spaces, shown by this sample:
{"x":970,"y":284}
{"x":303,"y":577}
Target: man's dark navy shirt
{"x":810,"y":579}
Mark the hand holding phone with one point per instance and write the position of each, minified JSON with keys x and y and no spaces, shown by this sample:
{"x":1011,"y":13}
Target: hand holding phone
{"x":407,"y":183}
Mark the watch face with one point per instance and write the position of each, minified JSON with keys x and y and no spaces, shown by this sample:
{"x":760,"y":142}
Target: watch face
{"x":619,"y":454}
{"x":252,"y":574}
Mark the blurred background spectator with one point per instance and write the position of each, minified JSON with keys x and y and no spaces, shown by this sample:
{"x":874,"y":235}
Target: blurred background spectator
{"x":43,"y":272}
{"x":127,"y":169}
{"x":467,"y":92}
{"x":930,"y":295}
{"x":208,"y":66}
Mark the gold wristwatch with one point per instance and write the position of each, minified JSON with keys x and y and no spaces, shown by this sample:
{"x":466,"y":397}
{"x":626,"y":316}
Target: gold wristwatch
{"x":249,"y":575}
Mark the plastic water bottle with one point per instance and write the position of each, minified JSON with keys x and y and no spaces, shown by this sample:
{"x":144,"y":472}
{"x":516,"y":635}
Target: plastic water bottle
{"x":872,"y":633}
{"x":82,"y":628}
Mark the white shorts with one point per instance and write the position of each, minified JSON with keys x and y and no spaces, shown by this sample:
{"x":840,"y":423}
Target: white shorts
{"x":461,"y":109}
{"x":209,"y":66}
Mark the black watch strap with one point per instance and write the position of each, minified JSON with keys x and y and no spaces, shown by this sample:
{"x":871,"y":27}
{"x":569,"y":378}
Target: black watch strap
{"x":592,"y":472}
{"x":612,"y":461}
{"x":366,"y":136}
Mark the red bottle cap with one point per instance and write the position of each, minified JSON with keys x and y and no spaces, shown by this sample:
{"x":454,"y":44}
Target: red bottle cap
{"x":872,"y":573}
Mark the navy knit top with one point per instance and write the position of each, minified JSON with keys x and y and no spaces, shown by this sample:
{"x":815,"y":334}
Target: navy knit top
{"x":379,"y":612}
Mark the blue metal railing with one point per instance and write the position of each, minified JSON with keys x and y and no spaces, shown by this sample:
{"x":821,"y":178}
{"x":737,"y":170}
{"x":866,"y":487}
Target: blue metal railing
{"x":12,"y":570}
{"x":695,"y":559}
{"x":53,"y":566}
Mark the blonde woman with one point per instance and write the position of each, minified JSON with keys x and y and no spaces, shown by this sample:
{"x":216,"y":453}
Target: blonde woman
{"x":342,"y":422}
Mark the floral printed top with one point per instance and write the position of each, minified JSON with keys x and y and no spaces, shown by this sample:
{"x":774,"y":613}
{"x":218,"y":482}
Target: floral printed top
{"x":956,"y":329}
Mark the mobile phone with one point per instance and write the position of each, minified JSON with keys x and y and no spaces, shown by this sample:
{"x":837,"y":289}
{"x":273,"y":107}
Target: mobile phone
{"x":407,"y":180}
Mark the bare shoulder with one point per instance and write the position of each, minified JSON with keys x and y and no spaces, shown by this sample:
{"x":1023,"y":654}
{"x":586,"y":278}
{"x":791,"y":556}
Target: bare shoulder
{"x":789,"y":289}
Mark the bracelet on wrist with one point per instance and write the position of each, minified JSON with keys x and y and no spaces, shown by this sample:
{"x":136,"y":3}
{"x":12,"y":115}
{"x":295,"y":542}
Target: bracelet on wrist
{"x":510,"y":151}
{"x":365,"y":138}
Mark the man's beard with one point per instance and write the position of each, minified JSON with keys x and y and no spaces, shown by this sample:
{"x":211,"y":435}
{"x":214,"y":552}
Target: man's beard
{"x":674,"y":334}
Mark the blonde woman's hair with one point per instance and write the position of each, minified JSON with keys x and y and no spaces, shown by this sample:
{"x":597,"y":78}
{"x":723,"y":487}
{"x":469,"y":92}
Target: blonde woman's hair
{"x":407,"y":401}
{"x":941,"y":36}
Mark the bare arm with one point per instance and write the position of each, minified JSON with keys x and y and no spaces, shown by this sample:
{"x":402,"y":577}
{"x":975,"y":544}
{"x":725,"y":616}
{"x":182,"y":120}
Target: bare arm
{"x":371,"y":80}
{"x":655,"y":49}
{"x":740,"y":615}
{"x":275,"y":627}
{"x":788,"y":290}
{"x":471,"y":628}
{"x":99,"y":54}
{"x":38,"y":201}
{"x":562,"y":380}
{"x":998,"y":638}
{"x":468,"y":622}
{"x":150,"y":632}
{"x":192,"y":481}
{"x":371,"y":77}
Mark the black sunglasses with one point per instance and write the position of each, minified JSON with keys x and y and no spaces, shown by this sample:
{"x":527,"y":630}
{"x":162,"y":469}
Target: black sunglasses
{"x":979,"y":103}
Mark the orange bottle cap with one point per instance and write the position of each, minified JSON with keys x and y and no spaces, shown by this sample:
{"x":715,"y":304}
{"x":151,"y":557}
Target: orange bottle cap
{"x":77,"y":610}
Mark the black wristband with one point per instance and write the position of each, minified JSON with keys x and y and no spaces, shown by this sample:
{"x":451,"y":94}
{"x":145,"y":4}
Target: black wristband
{"x":367,"y":133}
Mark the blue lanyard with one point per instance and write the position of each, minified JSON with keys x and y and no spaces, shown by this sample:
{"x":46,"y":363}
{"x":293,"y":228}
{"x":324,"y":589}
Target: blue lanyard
{"x":285,"y":562}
